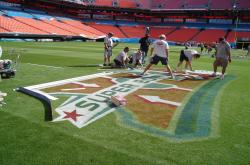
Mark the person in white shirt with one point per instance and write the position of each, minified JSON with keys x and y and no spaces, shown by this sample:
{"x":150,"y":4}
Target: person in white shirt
{"x":122,"y":59}
{"x":222,"y":57}
{"x":188,"y":55}
{"x":136,"y":58}
{"x":108,"y":46}
{"x":161,"y":51}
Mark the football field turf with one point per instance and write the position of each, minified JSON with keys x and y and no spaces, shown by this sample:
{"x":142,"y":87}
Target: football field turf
{"x":27,"y":139}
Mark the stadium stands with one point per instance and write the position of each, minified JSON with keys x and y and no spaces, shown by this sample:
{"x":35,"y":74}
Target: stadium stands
{"x":182,"y":35}
{"x":16,"y":19}
{"x":61,"y":28}
{"x":243,"y":4}
{"x":133,"y":31}
{"x":45,"y":26}
{"x":156,"y":31}
{"x":2,"y":30}
{"x":127,"y":3}
{"x":80,"y":25}
{"x":109,"y":28}
{"x":13,"y":25}
{"x":245,"y":35}
{"x":196,"y":4}
{"x":221,"y":4}
{"x":103,"y":3}
{"x":209,"y":35}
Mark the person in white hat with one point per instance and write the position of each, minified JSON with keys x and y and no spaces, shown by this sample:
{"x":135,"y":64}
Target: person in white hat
{"x":187,"y":55}
{"x":160,"y":49}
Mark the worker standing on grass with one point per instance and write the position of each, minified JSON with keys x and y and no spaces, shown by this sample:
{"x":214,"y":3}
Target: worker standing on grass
{"x":108,"y":46}
{"x":161,"y":51}
{"x":144,"y":46}
{"x":222,"y":56}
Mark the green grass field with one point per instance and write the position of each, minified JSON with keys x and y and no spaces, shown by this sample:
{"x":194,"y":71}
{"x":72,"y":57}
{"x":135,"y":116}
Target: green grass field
{"x":27,"y":139}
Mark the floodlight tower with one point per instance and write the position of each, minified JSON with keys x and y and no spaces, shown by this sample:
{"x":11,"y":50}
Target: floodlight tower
{"x":236,"y":19}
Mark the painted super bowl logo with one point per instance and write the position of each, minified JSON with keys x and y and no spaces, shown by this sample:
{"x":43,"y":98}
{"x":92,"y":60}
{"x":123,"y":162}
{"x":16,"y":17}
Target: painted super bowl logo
{"x":180,"y":109}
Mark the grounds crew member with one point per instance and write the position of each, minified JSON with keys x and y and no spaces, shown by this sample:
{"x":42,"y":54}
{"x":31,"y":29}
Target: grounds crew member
{"x":160,"y":49}
{"x":222,"y":56}
{"x":108,"y":46}
{"x":122,"y":59}
{"x":188,"y":55}
{"x":136,"y":58}
{"x":144,"y":46}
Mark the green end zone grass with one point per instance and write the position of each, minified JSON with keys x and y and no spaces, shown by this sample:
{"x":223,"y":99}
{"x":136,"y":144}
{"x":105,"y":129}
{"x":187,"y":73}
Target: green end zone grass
{"x":27,"y":139}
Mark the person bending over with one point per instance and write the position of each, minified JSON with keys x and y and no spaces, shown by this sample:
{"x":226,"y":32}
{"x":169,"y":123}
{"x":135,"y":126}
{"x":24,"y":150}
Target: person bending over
{"x":188,"y":55}
{"x":122,"y":59}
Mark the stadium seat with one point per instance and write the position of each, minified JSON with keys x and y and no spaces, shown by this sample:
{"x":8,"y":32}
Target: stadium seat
{"x":80,"y":25}
{"x":16,"y":26}
{"x":209,"y":35}
{"x":239,"y":35}
{"x":182,"y":35}
{"x":103,"y":3}
{"x":109,"y":28}
{"x":155,"y":32}
{"x":127,"y":4}
{"x":2,"y":30}
{"x":45,"y":26}
{"x":133,"y":31}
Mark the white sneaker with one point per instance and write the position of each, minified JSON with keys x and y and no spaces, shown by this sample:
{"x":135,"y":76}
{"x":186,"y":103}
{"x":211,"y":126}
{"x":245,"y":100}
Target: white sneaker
{"x":222,"y":77}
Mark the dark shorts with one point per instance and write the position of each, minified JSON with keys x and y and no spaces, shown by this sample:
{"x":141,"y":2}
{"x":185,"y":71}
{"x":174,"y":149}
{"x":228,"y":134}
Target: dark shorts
{"x":183,"y":57}
{"x":156,"y":59}
{"x":118,"y":63}
{"x":221,"y":62}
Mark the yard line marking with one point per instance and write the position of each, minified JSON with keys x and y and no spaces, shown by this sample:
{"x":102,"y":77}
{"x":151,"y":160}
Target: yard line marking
{"x":48,"y":66}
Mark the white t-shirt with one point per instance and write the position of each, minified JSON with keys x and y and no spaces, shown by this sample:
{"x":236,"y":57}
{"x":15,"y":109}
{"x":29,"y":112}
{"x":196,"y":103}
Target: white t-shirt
{"x":136,"y":57}
{"x":122,"y":55}
{"x":160,"y":47}
{"x":189,"y":53}
{"x":108,"y":41}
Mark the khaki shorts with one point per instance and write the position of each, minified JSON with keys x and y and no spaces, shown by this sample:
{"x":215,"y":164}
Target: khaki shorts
{"x":221,"y":62}
{"x":108,"y":52}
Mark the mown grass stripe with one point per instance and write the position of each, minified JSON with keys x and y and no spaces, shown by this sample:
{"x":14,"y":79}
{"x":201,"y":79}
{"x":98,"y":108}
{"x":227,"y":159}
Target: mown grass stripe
{"x":196,"y":115}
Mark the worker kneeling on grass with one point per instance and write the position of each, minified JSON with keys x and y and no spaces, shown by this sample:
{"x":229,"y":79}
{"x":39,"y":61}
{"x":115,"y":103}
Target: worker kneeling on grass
{"x":122,"y":59}
{"x":187,"y":55}
{"x":136,"y":59}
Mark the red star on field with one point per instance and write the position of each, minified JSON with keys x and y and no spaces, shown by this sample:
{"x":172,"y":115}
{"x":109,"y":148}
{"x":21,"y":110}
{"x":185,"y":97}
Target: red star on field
{"x":73,"y":115}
